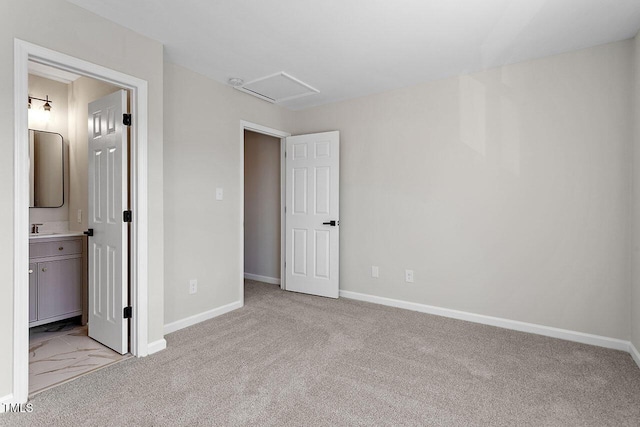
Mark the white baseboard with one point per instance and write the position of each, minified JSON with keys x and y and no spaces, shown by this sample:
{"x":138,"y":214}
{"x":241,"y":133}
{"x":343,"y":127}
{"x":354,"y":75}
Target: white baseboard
{"x":634,"y":353}
{"x":265,"y":279}
{"x":515,"y":325}
{"x":156,"y":346}
{"x":5,"y":400}
{"x":192,"y":320}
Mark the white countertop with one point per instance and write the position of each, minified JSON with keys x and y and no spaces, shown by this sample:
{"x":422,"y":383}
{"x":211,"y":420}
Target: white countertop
{"x":45,"y":235}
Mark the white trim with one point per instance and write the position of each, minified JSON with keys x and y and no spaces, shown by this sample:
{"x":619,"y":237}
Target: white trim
{"x":634,"y":353}
{"x":24,"y":52}
{"x":20,"y":226}
{"x":283,"y":202}
{"x":156,"y":346}
{"x":197,"y":318}
{"x":50,"y":73}
{"x":254,"y":127}
{"x":5,"y":400}
{"x":515,"y":325}
{"x":265,"y":279}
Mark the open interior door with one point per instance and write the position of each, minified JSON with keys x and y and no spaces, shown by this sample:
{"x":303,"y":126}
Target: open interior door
{"x":312,"y":214}
{"x":108,"y":233}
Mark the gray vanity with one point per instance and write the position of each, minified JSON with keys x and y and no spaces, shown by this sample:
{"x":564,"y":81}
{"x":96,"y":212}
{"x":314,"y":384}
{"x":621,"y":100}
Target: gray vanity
{"x":56,"y":271}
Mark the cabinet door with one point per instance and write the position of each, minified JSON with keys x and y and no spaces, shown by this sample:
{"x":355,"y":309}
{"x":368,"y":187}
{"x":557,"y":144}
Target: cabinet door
{"x":33,"y":292}
{"x":59,"y":287}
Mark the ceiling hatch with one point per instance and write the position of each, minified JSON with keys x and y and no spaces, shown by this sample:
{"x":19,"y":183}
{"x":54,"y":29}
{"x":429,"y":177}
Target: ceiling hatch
{"x":277,"y":87}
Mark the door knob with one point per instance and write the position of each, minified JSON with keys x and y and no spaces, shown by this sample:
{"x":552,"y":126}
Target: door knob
{"x":30,"y":271}
{"x":89,"y":232}
{"x":44,"y":269}
{"x":332,"y":223}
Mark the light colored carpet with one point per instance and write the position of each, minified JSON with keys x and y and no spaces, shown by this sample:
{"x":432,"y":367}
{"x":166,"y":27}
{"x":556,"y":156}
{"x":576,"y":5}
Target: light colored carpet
{"x":292,"y":359}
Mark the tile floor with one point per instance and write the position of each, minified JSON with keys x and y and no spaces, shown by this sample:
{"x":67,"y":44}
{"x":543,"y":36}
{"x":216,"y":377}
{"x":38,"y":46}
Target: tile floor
{"x":61,"y":351}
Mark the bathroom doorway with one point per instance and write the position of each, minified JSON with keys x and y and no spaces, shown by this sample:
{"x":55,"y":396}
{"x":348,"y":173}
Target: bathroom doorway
{"x":60,"y":348}
{"x":136,"y":312}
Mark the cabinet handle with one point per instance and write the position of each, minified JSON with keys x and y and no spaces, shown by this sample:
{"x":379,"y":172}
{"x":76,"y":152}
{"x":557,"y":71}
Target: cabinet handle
{"x":44,"y":269}
{"x":60,"y":248}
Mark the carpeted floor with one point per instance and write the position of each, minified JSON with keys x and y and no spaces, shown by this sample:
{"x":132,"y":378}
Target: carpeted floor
{"x":292,"y":359}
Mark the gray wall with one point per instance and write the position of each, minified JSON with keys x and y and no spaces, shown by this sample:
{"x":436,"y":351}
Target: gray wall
{"x":635,"y":291}
{"x":508,"y":192}
{"x":58,"y":25}
{"x":203,"y":237}
{"x":261,"y":205}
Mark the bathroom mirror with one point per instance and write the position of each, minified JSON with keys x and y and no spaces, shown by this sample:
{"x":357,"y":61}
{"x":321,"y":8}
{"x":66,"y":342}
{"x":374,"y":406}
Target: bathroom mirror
{"x":46,"y":150}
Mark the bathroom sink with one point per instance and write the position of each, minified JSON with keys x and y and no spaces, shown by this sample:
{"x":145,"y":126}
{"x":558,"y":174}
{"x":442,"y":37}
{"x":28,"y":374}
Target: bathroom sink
{"x":44,"y":234}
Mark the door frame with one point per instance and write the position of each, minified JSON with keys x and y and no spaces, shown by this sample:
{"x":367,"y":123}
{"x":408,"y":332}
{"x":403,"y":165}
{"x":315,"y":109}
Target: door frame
{"x":264,"y":130}
{"x":24,"y":52}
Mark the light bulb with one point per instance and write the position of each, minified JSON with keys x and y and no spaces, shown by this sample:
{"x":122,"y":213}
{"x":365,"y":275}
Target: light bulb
{"x":47,"y":111}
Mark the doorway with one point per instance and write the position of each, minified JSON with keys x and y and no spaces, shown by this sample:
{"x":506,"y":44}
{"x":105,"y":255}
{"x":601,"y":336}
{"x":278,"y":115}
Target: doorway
{"x":25,"y":52}
{"x":61,"y":344}
{"x":262,"y":267}
{"x":262,"y":216}
{"x":309,"y":227}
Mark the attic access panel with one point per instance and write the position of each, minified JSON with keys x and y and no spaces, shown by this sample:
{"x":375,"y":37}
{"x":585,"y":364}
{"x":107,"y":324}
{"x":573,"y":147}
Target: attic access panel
{"x":277,"y":88}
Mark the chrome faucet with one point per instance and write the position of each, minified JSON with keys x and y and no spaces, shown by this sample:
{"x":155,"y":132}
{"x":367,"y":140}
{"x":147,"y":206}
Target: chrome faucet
{"x":34,"y":228}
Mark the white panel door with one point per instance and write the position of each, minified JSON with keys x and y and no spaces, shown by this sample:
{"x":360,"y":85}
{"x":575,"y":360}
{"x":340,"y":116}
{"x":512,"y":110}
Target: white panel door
{"x":108,"y":198}
{"x":312,"y":214}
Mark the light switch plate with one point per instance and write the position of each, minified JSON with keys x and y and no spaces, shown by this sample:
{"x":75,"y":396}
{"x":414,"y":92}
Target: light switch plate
{"x":79,"y":216}
{"x":219,"y":193}
{"x":375,"y":271}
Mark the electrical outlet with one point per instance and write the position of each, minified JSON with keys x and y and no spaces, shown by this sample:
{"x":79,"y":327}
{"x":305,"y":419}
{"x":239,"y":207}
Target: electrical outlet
{"x":408,"y":276}
{"x":375,"y":272}
{"x":193,"y":286}
{"x":219,"y":193}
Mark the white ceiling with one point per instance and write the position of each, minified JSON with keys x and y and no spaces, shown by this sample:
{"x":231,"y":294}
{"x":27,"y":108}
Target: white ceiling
{"x":350,"y":48}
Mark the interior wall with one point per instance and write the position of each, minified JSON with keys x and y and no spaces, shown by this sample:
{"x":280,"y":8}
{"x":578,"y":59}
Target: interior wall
{"x":635,"y":290}
{"x":202,"y":145}
{"x":40,"y":87}
{"x":261,"y":205}
{"x":506,"y":191}
{"x":81,"y":92}
{"x":63,"y":27}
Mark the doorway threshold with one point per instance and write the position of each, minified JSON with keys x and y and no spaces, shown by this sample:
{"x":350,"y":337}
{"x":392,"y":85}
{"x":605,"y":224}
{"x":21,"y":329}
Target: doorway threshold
{"x":62,"y":351}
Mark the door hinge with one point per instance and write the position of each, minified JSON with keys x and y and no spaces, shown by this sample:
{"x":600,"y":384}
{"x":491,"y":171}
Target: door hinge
{"x":285,"y":154}
{"x":127,"y":216}
{"x":126,"y":119}
{"x":128,"y":312}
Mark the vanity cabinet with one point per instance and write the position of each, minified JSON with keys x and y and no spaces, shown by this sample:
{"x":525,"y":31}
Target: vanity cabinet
{"x":33,"y":292}
{"x":55,"y":279}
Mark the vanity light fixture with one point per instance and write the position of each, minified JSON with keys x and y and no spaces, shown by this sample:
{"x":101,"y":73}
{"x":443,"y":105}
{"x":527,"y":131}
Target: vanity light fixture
{"x":46,"y":107}
{"x":47,"y":102}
